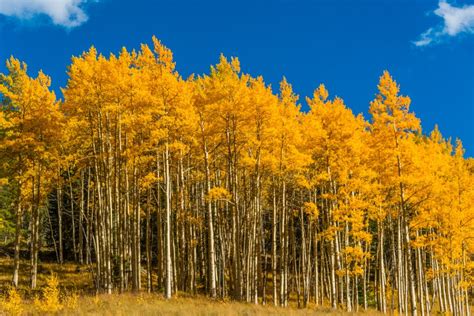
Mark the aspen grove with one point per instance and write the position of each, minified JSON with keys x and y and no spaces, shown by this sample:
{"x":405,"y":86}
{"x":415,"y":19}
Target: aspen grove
{"x":217,"y":185}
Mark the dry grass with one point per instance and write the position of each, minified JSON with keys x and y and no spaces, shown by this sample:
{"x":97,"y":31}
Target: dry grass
{"x":76,"y":298}
{"x":72,"y":278}
{"x":152,"y":304}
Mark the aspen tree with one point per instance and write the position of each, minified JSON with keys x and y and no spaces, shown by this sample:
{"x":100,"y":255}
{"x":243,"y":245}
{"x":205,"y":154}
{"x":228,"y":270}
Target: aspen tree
{"x":31,"y":132}
{"x":393,"y":127}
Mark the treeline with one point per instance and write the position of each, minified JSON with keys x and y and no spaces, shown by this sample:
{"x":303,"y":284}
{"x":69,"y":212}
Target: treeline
{"x":215,"y":184}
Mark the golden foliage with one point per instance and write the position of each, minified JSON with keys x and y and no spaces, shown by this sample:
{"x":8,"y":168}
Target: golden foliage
{"x":339,"y":176}
{"x":12,"y":303}
{"x":50,"y":296}
{"x":217,"y":194}
{"x":311,"y":210}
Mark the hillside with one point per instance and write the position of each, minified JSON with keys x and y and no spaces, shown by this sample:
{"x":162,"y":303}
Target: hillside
{"x":76,"y":297}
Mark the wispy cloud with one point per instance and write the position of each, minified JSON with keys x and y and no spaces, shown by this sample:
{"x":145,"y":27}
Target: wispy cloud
{"x":456,"y":20}
{"x":67,"y":13}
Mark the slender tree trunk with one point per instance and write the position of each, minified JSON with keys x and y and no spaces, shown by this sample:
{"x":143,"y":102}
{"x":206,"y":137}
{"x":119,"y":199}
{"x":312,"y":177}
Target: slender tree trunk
{"x":169,"y":272}
{"x":16,"y":256}
{"x":274,"y":247}
{"x":148,"y":237}
{"x":60,"y":224}
{"x":73,"y":224}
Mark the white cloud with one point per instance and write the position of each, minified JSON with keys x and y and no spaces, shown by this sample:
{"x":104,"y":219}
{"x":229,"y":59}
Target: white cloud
{"x":67,"y":13}
{"x":456,"y":20}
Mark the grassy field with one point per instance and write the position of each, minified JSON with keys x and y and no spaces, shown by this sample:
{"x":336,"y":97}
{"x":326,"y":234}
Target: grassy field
{"x":72,"y":296}
{"x":149,"y":304}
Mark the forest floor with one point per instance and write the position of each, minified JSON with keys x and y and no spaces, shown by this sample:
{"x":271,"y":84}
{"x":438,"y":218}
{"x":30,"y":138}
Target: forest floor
{"x":76,"y":298}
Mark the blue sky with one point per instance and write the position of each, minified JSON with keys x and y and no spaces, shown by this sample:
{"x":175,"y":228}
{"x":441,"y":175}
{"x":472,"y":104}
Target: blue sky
{"x":427,"y":45}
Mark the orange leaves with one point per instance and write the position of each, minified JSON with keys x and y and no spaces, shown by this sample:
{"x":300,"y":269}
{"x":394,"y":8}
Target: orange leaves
{"x":148,"y":180}
{"x":165,"y":56}
{"x":128,"y":113}
{"x":31,"y":119}
{"x":218,"y":194}
{"x":354,"y":253}
{"x":390,"y":111}
{"x":311,"y":210}
{"x":31,"y":132}
{"x":321,"y":93}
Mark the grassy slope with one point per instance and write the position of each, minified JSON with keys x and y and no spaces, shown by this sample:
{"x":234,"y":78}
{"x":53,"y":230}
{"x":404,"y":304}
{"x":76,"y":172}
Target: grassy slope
{"x":78,"y":280}
{"x":149,"y":304}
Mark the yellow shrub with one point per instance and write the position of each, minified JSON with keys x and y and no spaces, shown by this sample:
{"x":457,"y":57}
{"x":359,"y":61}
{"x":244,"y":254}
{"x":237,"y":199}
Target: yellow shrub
{"x":70,"y":301}
{"x":49,"y":302}
{"x":12,"y":303}
{"x":96,"y":300}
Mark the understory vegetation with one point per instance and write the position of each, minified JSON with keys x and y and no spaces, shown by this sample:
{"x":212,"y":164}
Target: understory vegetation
{"x":65,"y":289}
